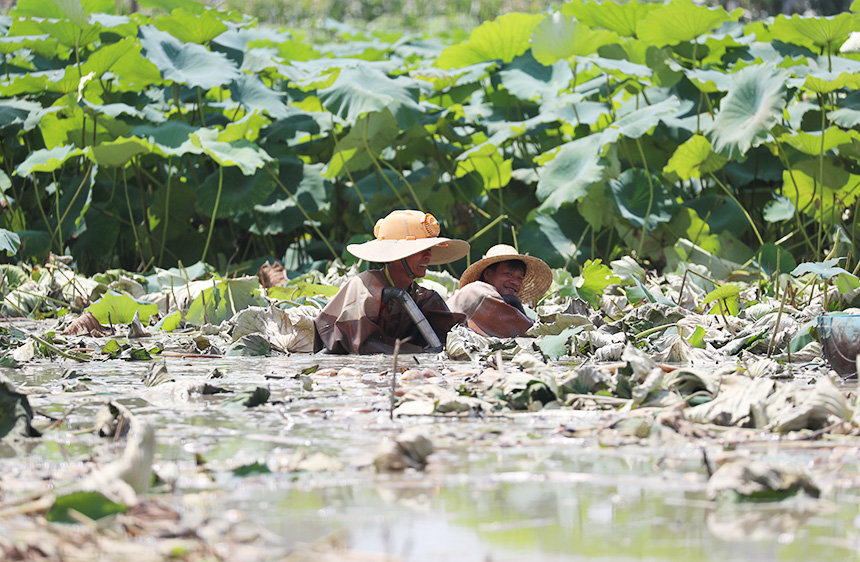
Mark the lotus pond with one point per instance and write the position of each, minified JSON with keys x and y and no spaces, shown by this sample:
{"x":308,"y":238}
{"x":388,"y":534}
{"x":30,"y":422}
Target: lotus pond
{"x":306,"y":475}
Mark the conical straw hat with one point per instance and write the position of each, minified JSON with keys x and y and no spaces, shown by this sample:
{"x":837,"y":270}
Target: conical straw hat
{"x":538,"y":276}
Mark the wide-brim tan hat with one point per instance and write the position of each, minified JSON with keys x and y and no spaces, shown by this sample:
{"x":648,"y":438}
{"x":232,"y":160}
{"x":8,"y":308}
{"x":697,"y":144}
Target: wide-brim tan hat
{"x":404,"y":233}
{"x":538,"y":276}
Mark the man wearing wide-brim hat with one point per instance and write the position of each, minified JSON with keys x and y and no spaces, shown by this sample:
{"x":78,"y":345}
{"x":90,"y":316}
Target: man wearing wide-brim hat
{"x":363,"y":318}
{"x":493,"y":289}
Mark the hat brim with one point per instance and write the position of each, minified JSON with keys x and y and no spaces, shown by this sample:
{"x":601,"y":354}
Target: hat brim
{"x":443,"y":250}
{"x":536,"y":282}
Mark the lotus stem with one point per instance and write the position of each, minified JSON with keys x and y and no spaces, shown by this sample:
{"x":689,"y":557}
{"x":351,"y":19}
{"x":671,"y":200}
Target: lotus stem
{"x":486,"y":228}
{"x":650,"y":196}
{"x":166,"y":210}
{"x":131,"y":218}
{"x":214,"y":212}
{"x":742,"y":208}
{"x":305,"y":213}
{"x":770,"y":346}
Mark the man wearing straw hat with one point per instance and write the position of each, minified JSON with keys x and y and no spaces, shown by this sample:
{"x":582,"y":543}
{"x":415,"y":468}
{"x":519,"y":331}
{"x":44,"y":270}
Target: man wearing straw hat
{"x":378,"y":307}
{"x":492,"y":291}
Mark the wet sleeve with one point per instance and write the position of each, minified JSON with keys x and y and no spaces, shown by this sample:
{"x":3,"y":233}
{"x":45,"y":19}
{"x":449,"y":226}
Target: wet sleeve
{"x":350,"y":318}
{"x":487,"y":313}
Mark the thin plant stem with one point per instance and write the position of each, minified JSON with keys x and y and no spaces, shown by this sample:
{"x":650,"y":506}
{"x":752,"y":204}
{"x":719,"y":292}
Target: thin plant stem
{"x":738,"y":203}
{"x":650,"y":196}
{"x":305,"y":213}
{"x":131,"y":218}
{"x":214,"y":212}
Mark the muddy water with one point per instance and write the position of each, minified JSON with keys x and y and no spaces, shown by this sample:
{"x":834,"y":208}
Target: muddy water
{"x":503,"y":488}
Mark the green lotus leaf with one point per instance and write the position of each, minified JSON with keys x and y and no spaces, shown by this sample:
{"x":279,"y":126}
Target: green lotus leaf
{"x":14,"y":113}
{"x":845,"y":117}
{"x":694,"y":158}
{"x":124,"y":60}
{"x":491,"y":165}
{"x":816,"y":142}
{"x":247,"y":128}
{"x":566,"y":177}
{"x":362,"y":90}
{"x":198,"y":27}
{"x":823,"y":32}
{"x":827,"y":82}
{"x":697,"y":338}
{"x":186,"y":63}
{"x":779,"y":209}
{"x":224,"y":299}
{"x":67,"y":33}
{"x":71,"y":10}
{"x":9,"y":241}
{"x":44,"y":160}
{"x":168,"y":6}
{"x":826,"y":269}
{"x":365,"y":141}
{"x":774,"y":259}
{"x":528,"y":79}
{"x":169,"y":323}
{"x":560,"y":37}
{"x":542,"y":236}
{"x":247,"y":156}
{"x":644,"y":204}
{"x":95,"y":232}
{"x":709,"y":81}
{"x":502,"y":38}
{"x":283,"y":215}
{"x":620,"y":68}
{"x":118,"y":153}
{"x":120,"y":309}
{"x":106,"y":57}
{"x":11,"y":44}
{"x":171,"y":138}
{"x":831,"y":174}
{"x":639,"y":121}
{"x":721,"y":212}
{"x":623,"y":19}
{"x":680,"y":21}
{"x":92,"y":505}
{"x":752,"y":107}
{"x":723,"y":292}
{"x":810,"y":197}
{"x":26,"y":85}
{"x":34,"y":244}
{"x":250,"y":91}
{"x":294,"y":290}
{"x":555,"y":346}
{"x":239,"y":192}
{"x":593,"y":281}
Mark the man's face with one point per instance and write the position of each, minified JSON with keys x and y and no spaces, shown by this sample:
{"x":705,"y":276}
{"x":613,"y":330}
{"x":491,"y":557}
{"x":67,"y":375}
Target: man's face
{"x":506,"y":277}
{"x":418,"y":262}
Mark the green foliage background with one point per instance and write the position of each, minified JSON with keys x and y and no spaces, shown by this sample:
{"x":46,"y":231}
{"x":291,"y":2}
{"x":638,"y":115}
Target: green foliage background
{"x":676,"y":132}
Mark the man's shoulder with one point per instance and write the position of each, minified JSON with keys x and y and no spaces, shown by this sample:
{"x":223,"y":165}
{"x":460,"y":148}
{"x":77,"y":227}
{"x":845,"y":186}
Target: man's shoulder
{"x":478,"y":288}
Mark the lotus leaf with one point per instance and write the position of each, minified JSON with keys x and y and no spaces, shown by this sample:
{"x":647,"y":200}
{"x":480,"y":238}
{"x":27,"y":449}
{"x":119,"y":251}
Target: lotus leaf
{"x":191,"y":27}
{"x":680,"y":21}
{"x":186,"y":63}
{"x":116,"y":308}
{"x":752,"y":107}
{"x":561,"y":37}
{"x":287,"y":331}
{"x":624,"y":19}
{"x":503,"y":38}
{"x":15,"y":412}
{"x":363,"y":144}
{"x":92,"y":505}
